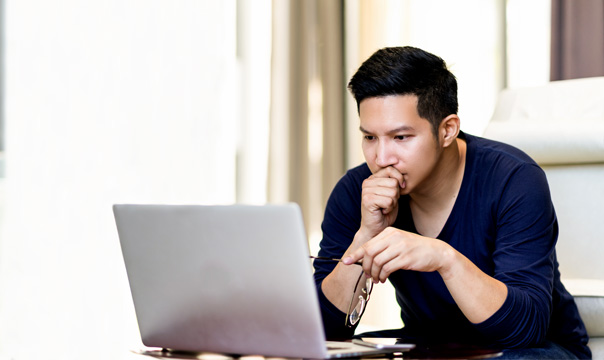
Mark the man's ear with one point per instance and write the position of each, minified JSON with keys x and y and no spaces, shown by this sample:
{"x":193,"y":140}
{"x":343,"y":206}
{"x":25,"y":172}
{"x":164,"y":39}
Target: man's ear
{"x":448,"y":130}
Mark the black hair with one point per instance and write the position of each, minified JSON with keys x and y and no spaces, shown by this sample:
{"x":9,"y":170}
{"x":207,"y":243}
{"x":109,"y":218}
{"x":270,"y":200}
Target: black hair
{"x":408,"y":71}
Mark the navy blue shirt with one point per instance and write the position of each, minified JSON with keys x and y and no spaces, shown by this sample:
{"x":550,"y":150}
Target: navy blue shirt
{"x":504,"y":222}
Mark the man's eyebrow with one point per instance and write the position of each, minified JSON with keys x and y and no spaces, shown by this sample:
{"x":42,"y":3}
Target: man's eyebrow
{"x":363,"y":130}
{"x":390,"y":132}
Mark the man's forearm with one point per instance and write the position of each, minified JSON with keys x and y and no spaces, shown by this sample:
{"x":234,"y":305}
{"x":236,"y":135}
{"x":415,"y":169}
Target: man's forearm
{"x":477,"y":294}
{"x":339,"y":285}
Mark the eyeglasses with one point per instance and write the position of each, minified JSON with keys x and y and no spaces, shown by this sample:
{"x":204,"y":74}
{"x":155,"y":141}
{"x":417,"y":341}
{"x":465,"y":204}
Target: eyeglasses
{"x":360,"y":295}
{"x":356,"y":309}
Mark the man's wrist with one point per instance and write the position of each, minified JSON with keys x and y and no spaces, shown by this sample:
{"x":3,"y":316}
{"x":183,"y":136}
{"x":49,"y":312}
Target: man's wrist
{"x":449,"y":261}
{"x":363,"y":235}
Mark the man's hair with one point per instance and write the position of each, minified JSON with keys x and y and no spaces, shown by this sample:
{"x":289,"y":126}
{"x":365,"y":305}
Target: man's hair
{"x":408,"y":71}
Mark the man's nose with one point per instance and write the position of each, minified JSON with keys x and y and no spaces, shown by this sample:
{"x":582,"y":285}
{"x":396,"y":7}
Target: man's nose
{"x":385,"y":155}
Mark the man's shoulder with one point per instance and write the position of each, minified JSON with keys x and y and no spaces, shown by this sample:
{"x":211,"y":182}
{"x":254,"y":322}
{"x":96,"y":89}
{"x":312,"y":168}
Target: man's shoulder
{"x":499,"y":171}
{"x":487,"y":150}
{"x":350,"y":185}
{"x":359,"y":172}
{"x":344,"y":203}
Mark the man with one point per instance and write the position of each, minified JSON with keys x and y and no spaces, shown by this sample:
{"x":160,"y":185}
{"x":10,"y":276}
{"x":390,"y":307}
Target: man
{"x":463,"y":227}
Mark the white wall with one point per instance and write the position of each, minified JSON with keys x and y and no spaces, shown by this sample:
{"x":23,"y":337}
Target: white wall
{"x":106,"y":101}
{"x":528,"y":42}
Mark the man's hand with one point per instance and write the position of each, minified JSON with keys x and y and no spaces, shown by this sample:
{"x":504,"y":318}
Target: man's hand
{"x":477,"y":294}
{"x":395,"y":249}
{"x":379,"y":209}
{"x":379,"y":204}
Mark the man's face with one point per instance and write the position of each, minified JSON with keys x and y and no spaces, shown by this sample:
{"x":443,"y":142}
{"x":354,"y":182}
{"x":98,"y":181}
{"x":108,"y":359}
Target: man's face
{"x":395,"y":135}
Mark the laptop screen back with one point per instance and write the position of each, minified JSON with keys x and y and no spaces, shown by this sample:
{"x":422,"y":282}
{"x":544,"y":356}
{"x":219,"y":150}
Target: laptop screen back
{"x":231,"y":279}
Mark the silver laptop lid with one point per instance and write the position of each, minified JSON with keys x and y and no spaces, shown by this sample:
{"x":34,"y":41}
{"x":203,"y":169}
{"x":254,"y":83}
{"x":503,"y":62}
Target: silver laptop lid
{"x":230,"y":279}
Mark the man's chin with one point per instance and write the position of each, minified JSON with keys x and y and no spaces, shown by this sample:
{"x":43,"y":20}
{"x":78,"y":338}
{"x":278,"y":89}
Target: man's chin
{"x":406,"y":190}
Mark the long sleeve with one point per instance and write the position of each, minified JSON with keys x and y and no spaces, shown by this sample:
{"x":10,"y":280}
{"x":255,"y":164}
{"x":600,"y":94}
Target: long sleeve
{"x":509,"y":202}
{"x":504,"y":222}
{"x":340,"y":224}
{"x":523,"y":257}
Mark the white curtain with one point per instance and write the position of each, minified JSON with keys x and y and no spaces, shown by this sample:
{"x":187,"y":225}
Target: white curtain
{"x":307,"y":105}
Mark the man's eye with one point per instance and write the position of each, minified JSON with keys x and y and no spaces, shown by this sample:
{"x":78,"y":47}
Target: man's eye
{"x":369,"y":137}
{"x":400,"y":137}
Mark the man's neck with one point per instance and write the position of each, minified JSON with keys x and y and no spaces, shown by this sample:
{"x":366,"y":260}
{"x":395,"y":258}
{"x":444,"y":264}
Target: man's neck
{"x":444,"y":184}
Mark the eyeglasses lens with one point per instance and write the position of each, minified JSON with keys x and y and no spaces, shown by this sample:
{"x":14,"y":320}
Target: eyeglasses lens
{"x":354,"y":316}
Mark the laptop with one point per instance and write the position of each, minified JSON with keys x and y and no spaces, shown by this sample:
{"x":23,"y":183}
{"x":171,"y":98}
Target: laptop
{"x":229,"y":279}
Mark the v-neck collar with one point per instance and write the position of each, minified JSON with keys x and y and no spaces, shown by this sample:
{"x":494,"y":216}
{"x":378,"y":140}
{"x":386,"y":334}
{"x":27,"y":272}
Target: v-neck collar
{"x":405,"y":221}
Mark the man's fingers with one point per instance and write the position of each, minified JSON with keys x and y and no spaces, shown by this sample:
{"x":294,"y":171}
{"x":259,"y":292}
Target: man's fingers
{"x":375,"y":255}
{"x":355,"y":257}
{"x":383,"y":181}
{"x":381,"y":192}
{"x":392,"y":173}
{"x":376,"y":203}
{"x":380,"y":255}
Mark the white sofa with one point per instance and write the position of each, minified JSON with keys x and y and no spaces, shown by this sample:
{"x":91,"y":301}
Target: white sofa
{"x":561,"y":125}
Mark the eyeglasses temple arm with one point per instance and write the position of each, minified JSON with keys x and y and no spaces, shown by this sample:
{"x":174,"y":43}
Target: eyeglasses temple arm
{"x":332,"y":259}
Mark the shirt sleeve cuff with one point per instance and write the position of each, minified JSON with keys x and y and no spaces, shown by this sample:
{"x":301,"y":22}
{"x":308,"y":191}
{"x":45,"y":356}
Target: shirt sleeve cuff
{"x":510,"y":327}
